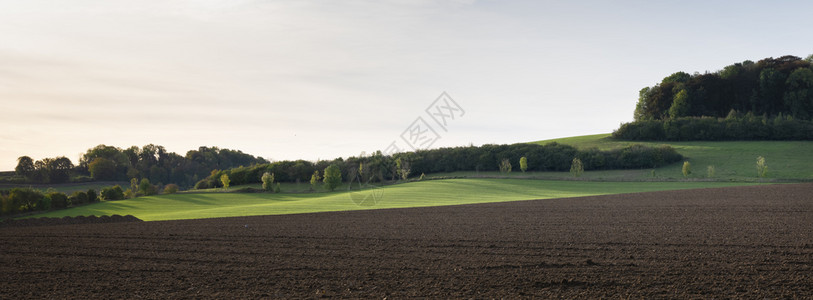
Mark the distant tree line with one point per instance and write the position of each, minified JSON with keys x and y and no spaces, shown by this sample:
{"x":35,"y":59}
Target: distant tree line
{"x":378,"y":167}
{"x":48,"y":170}
{"x":109,"y":163}
{"x":775,"y":89}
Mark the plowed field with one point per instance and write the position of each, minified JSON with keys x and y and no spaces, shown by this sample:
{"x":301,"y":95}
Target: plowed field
{"x":744,"y":242}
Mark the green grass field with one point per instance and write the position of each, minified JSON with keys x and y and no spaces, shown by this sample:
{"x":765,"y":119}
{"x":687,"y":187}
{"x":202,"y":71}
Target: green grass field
{"x":733,"y":161}
{"x":415,"y":194}
{"x":735,"y":164}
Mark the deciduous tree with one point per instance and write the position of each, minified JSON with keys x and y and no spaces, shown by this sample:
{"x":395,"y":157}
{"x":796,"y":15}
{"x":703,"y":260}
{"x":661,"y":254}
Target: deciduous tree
{"x":799,"y":93}
{"x":315,"y":180}
{"x":762,"y":167}
{"x":680,"y":105}
{"x":505,"y":166}
{"x":333,"y":177}
{"x":25,"y":166}
{"x":576,"y":167}
{"x":102,"y":169}
{"x":225,"y":180}
{"x":523,"y":164}
{"x":268,"y":181}
{"x":403,"y":168}
{"x":687,"y":169}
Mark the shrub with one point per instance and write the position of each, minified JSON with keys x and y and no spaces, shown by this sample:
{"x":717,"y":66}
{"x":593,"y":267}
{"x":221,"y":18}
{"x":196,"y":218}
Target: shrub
{"x":268,"y":181}
{"x":276,"y":188}
{"x":171,"y":188}
{"x":5,"y":205}
{"x":24,"y":199}
{"x":576,"y":167}
{"x":687,"y":169}
{"x":145,"y":188}
{"x":133,"y":188}
{"x":523,"y":164}
{"x":710,"y":171}
{"x":78,"y":198}
{"x":58,"y":200}
{"x":202,"y":185}
{"x":113,"y":193}
{"x":505,"y":166}
{"x":92,"y":197}
{"x":315,"y":180}
{"x":225,"y":180}
{"x":762,"y":167}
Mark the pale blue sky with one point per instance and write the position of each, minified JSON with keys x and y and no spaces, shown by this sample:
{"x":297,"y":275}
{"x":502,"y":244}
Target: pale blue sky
{"x":322,"y":79}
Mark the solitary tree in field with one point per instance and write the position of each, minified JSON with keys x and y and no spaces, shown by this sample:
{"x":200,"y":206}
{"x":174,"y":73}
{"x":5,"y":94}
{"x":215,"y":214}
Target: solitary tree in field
{"x":762,"y":167}
{"x":523,"y":164}
{"x":225,"y":180}
{"x":333,"y":177}
{"x":576,"y":167}
{"x":505,"y":166}
{"x":687,"y":169}
{"x":402,"y":168}
{"x":268,"y":181}
{"x":315,"y":180}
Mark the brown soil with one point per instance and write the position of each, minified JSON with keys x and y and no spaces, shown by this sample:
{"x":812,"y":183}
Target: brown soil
{"x":748,"y":242}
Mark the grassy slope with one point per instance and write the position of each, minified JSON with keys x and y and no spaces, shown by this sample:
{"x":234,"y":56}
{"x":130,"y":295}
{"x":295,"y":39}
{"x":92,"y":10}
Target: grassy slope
{"x":732,"y":160}
{"x":424,"y":193}
{"x":735,"y":164}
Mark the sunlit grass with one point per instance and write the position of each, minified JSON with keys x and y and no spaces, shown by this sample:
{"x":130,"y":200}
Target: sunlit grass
{"x":735,"y":160}
{"x":415,"y":194}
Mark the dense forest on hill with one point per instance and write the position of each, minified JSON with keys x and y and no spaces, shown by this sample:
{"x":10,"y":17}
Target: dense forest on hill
{"x":769,"y":99}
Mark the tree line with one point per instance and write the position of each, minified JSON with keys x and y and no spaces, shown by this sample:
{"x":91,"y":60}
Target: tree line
{"x":109,"y":163}
{"x":379,"y":168}
{"x":735,"y":127}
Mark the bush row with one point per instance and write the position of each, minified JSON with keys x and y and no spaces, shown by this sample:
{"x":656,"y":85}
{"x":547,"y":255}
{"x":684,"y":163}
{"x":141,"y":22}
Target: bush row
{"x":21,"y":200}
{"x":379,"y":167}
{"x":748,"y":127}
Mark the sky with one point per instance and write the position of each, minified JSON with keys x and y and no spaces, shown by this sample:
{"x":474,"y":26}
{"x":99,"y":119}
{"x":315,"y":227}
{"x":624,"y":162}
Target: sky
{"x":307,"y":79}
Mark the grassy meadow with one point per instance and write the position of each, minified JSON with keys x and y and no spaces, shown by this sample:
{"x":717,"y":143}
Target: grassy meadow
{"x":414,"y":194}
{"x":732,"y":161}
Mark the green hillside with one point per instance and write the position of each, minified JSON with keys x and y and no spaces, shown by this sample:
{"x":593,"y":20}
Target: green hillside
{"x":415,"y":194}
{"x":787,"y":160}
{"x":734,"y":163}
